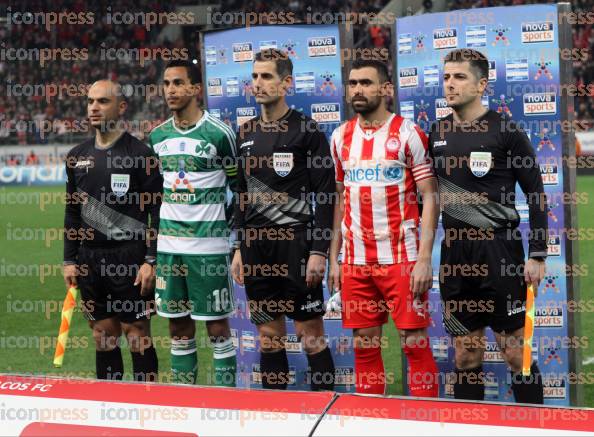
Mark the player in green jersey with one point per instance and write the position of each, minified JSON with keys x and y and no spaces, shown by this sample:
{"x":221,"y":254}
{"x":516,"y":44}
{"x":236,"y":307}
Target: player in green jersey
{"x":197,"y":156}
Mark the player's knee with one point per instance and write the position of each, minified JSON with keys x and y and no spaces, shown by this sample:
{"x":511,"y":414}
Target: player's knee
{"x":414,"y":338}
{"x":271,"y":341}
{"x":218,"y":330}
{"x":139,"y":328}
{"x":367,"y":337}
{"x":138,"y":343}
{"x":310,"y":328}
{"x":183,"y":327}
{"x":104,"y":340}
{"x":513,"y":358}
{"x":467,"y":358}
{"x":271,"y":344}
{"x":373,"y":331}
{"x":313,"y":344}
{"x":416,"y":346}
{"x":272,"y":335}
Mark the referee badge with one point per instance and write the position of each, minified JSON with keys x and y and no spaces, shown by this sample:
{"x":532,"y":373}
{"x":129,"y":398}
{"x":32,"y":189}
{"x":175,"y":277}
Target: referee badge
{"x":120,"y":183}
{"x":480,"y":163}
{"x":282,"y":163}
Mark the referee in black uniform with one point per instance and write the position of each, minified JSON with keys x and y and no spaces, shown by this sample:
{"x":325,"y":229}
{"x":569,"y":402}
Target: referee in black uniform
{"x":282,"y":243}
{"x":113,"y":189}
{"x":479,"y":156}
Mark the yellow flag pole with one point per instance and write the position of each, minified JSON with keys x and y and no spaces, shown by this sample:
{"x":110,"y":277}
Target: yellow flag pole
{"x":67,"y":310}
{"x":528,"y":332}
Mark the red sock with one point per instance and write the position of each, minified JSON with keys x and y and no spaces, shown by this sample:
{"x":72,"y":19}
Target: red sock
{"x":369,"y":371}
{"x":422,"y":372}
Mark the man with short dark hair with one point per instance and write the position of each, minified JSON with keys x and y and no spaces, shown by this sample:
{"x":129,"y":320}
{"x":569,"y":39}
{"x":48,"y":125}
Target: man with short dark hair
{"x":381,"y":161}
{"x":282,"y":242}
{"x":197,"y":155}
{"x":479,"y":157}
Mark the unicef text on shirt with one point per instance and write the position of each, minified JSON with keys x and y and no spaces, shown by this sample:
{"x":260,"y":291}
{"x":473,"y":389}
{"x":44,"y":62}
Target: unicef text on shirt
{"x":374,"y":174}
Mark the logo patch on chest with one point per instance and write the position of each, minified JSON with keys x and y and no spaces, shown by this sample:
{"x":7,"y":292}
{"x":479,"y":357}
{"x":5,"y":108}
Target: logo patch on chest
{"x":84,"y":163}
{"x":120,"y":183}
{"x":204,"y":149}
{"x":282,"y":163}
{"x":480,"y":163}
{"x":393,"y":144}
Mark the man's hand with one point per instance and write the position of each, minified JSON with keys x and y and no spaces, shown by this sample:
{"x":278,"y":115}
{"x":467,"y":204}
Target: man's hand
{"x":421,"y":278}
{"x":237,"y":268}
{"x":146,"y":279}
{"x":70,"y":275}
{"x":334,"y":277}
{"x":314,"y":273}
{"x":534,"y":272}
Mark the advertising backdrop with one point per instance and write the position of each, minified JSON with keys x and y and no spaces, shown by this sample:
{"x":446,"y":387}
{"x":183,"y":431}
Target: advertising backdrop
{"x":522,"y":44}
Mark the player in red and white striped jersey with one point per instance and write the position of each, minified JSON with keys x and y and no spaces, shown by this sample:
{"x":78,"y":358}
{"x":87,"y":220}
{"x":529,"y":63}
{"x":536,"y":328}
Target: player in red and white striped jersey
{"x":381,"y":163}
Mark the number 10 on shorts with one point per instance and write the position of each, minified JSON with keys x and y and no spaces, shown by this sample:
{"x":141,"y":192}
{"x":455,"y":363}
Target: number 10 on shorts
{"x":221,"y":300}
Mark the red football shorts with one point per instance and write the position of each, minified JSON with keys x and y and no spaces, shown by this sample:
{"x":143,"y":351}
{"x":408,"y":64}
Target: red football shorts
{"x":371,"y":292}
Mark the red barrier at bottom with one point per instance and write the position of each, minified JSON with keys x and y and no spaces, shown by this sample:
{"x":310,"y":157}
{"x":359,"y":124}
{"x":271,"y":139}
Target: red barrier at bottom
{"x":39,"y":429}
{"x":358,"y":415}
{"x":67,"y":407}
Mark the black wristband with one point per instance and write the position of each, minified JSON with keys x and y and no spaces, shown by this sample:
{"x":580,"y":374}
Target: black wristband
{"x":150,"y":260}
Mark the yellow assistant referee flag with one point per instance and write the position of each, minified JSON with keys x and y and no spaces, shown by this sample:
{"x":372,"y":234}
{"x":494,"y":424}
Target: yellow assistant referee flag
{"x":67,"y":310}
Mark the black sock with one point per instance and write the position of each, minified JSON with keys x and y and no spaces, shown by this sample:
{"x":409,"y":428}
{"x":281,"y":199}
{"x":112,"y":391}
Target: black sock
{"x":528,"y":389}
{"x":146,"y":365}
{"x":274,"y":367}
{"x":109,"y":364}
{"x":470,"y":384}
{"x":321,"y":373}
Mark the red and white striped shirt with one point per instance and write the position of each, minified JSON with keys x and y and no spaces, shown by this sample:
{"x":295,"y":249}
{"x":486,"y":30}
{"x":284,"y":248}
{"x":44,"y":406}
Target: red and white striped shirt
{"x":380,"y":169}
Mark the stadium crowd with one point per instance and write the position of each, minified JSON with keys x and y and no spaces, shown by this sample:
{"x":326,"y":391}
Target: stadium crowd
{"x":583,"y":38}
{"x":30,"y":115}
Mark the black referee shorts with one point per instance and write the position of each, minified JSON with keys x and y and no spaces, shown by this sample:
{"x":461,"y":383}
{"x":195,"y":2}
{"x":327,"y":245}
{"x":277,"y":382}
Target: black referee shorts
{"x":482,"y":284}
{"x":274,"y":278}
{"x":106,"y":282}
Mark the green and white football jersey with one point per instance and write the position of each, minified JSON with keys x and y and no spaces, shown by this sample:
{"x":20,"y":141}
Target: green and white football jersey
{"x":198,"y":164}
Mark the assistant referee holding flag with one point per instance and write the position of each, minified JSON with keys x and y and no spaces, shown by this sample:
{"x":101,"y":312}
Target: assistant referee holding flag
{"x":284,"y":161}
{"x":479,"y":156}
{"x":113,"y":188}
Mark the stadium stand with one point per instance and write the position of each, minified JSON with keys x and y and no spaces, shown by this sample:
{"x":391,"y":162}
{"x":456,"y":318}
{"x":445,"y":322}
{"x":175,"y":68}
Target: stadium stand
{"x":25,"y":110}
{"x":583,"y":38}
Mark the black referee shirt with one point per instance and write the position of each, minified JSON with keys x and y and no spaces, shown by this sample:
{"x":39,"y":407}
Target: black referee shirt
{"x":110,"y":195}
{"x":478,"y":168}
{"x":284,"y":168}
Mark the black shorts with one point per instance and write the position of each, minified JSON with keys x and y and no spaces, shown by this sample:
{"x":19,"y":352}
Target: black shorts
{"x":274,"y":278}
{"x":106,"y":282}
{"x":482,"y":284}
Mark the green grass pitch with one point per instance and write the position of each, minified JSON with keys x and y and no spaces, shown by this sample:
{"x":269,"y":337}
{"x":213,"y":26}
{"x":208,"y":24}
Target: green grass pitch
{"x":32,"y":286}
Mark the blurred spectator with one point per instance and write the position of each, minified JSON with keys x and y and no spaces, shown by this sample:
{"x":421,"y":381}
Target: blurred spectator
{"x":34,"y":118}
{"x":583,"y":38}
{"x":32,"y":159}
